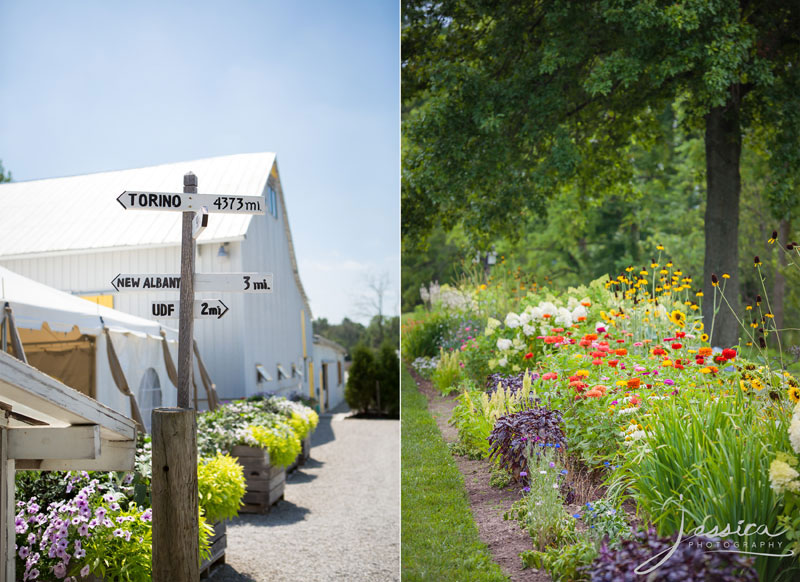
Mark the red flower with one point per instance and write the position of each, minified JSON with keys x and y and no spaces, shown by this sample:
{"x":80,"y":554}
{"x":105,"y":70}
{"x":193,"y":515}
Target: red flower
{"x":700,"y":360}
{"x":729,"y":353}
{"x":549,"y":376}
{"x":635,"y":401}
{"x":584,"y":343}
{"x":659,"y":352}
{"x":597,"y":362}
{"x":620,"y":341}
{"x":677,"y":346}
{"x":529,"y":355}
{"x":613,"y":363}
{"x":680,"y":334}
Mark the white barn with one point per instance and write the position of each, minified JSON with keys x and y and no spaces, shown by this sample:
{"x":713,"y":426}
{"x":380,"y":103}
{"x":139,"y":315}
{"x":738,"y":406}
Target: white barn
{"x":329,"y":366}
{"x":72,"y":234}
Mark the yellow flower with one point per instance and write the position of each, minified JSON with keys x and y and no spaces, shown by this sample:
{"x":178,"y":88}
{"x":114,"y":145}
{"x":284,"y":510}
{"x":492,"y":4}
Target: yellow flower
{"x":660,"y":247}
{"x":666,"y":363}
{"x":726,"y":276}
{"x":794,"y":394}
{"x":704,"y":337}
{"x":582,"y":373}
{"x":678,"y":318}
{"x":699,"y":294}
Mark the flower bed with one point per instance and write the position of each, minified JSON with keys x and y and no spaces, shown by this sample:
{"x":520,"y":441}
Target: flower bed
{"x":613,"y":388}
{"x":74,"y":525}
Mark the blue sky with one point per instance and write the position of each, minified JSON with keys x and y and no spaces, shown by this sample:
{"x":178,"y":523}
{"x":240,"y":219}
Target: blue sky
{"x":95,"y":86}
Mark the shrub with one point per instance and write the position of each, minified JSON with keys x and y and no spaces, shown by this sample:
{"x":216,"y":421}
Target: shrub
{"x":426,"y":337}
{"x":221,"y":485}
{"x":389,"y":379}
{"x":514,"y":434}
{"x":690,"y":562}
{"x":362,"y":378}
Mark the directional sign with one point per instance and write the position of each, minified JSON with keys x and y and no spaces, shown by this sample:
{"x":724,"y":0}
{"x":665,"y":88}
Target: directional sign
{"x":136,"y":200}
{"x":203,"y":309}
{"x":199,"y":222}
{"x":220,"y":282}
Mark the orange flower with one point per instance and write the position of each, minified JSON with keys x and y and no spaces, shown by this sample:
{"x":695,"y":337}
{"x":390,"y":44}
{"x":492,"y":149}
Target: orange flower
{"x":550,"y":376}
{"x":704,"y":351}
{"x":621,"y":352}
{"x":613,"y":363}
{"x":594,"y":394}
{"x":590,"y":336}
{"x":634,"y":383}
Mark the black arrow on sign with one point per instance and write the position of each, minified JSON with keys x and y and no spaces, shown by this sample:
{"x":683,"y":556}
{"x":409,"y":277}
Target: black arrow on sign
{"x":224,"y":312}
{"x":113,"y":281}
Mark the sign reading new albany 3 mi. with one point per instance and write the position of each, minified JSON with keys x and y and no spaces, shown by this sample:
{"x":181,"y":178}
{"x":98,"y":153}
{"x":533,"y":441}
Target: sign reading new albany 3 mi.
{"x":225,"y":282}
{"x":138,"y":200}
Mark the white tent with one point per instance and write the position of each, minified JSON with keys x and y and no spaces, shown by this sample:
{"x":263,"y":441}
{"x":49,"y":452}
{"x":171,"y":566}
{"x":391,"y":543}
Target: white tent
{"x":67,"y":337}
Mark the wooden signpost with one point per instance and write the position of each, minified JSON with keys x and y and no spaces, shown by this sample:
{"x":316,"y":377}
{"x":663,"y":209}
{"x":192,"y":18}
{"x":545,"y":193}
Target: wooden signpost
{"x":174,"y":430}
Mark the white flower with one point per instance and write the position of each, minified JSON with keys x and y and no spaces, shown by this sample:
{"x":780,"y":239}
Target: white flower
{"x":512,"y":320}
{"x":579,"y":311}
{"x":502,"y":362}
{"x":528,"y":329}
{"x":503,"y":344}
{"x":781,"y":476}
{"x":563,"y":316}
{"x":525,"y":317}
{"x":794,"y":433}
{"x":548,"y":308}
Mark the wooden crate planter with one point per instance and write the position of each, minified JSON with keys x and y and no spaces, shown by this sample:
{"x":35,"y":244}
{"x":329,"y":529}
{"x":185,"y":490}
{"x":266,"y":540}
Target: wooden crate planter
{"x":218,"y":543}
{"x":265,"y":483}
{"x":305,"y":454}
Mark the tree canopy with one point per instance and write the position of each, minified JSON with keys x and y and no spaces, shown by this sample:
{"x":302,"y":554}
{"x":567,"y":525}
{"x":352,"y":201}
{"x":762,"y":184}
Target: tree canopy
{"x":508,"y":105}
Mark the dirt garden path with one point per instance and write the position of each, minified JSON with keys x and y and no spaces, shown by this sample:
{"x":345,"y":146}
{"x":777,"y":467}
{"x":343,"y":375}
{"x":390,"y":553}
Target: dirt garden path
{"x":340,"y":517}
{"x":505,"y":539}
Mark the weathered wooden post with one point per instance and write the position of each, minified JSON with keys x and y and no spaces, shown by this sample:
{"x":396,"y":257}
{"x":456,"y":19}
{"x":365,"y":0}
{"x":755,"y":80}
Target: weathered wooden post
{"x":176,"y":551}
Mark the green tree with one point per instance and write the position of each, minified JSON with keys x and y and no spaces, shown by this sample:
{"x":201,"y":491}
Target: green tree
{"x":348,"y":333}
{"x":4,"y":177}
{"x":361,"y":380}
{"x":389,"y":379}
{"x":509,"y":102}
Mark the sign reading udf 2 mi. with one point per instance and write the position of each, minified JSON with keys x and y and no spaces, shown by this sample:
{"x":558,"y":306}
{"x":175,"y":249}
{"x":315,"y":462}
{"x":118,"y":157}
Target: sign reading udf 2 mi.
{"x":220,"y":282}
{"x":181,"y":202}
{"x":203,"y":309}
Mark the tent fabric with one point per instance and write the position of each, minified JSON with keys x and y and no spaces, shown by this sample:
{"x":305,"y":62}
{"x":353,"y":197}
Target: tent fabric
{"x":139,"y":344}
{"x":119,"y":379}
{"x":68,"y":357}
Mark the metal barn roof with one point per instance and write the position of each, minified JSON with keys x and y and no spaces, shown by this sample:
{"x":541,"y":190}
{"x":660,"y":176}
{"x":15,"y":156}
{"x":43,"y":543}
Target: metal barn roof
{"x":81,"y":213}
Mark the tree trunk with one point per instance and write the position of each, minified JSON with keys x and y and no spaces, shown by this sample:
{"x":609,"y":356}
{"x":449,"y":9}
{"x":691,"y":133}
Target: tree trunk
{"x":779,"y":287}
{"x":723,"y":186}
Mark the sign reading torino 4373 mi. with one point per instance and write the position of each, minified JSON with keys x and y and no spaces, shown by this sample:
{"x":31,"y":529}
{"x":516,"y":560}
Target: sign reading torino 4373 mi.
{"x":181,"y":202}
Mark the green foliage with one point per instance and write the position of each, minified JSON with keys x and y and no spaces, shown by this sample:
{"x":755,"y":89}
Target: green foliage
{"x":221,"y":485}
{"x":4,"y":176}
{"x":709,"y":465}
{"x":541,"y":510}
{"x":423,"y":337}
{"x":606,"y":522}
{"x":281,"y":442}
{"x":362,"y":378}
{"x":348,"y":333}
{"x":473,"y":422}
{"x":448,"y":371}
{"x":500,"y":478}
{"x":439,"y":539}
{"x":389,"y":379}
{"x":565,"y":563}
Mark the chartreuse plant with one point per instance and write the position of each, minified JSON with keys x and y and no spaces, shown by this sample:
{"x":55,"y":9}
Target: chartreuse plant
{"x":303,"y":423}
{"x":280,"y":441}
{"x":221,"y":486}
{"x":447,"y":372}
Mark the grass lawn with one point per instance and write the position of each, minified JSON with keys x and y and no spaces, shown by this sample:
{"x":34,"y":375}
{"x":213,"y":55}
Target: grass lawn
{"x":439,"y":537}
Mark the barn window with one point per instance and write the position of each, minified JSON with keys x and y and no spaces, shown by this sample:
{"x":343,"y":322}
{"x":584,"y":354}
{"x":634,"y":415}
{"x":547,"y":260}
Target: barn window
{"x":297,"y":371}
{"x":339,"y":372}
{"x":282,"y":372}
{"x":262,"y":375}
{"x":149,"y":395}
{"x":273,"y":201}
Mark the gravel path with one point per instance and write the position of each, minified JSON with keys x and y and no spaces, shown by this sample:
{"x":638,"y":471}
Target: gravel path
{"x":340,"y":517}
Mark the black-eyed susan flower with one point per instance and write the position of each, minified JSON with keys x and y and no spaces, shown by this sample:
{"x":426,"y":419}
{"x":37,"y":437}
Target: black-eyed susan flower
{"x":678,"y":318}
{"x":756,"y":261}
{"x":726,"y":276}
{"x":774,"y":237}
{"x":794,"y":394}
{"x":714,"y":280}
